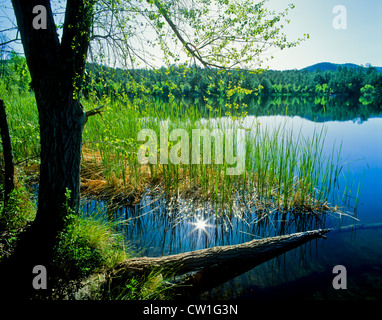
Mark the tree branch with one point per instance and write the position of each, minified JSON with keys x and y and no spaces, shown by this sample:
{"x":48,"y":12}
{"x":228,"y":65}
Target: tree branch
{"x":185,"y":43}
{"x":8,"y":42}
{"x":93,"y":112}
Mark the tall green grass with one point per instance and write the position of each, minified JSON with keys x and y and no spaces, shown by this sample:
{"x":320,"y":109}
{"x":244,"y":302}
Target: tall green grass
{"x":283,"y":169}
{"x":22,"y":118}
{"x":86,"y":245}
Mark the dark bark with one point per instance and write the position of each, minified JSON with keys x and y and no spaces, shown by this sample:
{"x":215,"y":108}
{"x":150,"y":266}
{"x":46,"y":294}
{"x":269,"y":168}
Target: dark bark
{"x":53,"y":70}
{"x":57,"y":73}
{"x":9,"y":171}
{"x":61,"y":122}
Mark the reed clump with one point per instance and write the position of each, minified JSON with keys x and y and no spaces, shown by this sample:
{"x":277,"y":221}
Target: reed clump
{"x":283,"y":170}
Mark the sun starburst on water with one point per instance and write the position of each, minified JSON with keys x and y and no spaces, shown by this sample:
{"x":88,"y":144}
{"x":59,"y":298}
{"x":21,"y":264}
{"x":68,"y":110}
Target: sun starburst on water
{"x":201,"y":225}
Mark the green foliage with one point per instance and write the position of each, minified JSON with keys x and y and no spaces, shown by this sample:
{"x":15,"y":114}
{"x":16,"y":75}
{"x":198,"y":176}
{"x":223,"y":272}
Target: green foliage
{"x":160,"y":94}
{"x":87,"y":245}
{"x":191,"y":82}
{"x":278,"y":171}
{"x":369,"y":94}
{"x":228,"y":34}
{"x":14,"y":217}
{"x":16,"y":73}
{"x":18,"y":211}
{"x":273,"y":171}
{"x":23,"y":122}
{"x":152,"y":287}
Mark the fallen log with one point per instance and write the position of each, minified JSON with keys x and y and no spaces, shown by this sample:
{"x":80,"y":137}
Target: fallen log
{"x":209,"y":278}
{"x":253,"y":252}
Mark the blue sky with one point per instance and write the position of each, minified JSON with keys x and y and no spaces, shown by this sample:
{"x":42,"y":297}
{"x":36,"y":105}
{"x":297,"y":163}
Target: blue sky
{"x":360,"y":42}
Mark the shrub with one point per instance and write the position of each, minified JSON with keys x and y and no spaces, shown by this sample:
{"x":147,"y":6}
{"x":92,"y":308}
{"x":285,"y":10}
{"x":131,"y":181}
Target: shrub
{"x":85,"y":246}
{"x":18,"y":211}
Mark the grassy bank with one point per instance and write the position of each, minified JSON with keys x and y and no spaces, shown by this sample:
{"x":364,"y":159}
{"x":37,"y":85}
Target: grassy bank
{"x":87,"y":248}
{"x":283,"y":171}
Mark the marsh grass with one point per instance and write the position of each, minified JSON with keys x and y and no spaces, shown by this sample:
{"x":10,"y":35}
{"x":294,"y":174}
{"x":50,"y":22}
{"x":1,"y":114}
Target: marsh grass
{"x":288,"y":181}
{"x":151,"y":287}
{"x":284,"y":170}
{"x":23,"y":124}
{"x":87,"y":245}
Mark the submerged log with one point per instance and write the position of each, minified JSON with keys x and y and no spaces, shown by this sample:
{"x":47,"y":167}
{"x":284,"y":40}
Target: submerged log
{"x":234,"y":256}
{"x":358,"y":227}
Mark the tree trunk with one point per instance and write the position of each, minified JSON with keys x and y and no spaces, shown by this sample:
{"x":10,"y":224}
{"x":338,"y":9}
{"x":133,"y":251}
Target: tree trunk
{"x":208,"y":262}
{"x":9,"y":181}
{"x":61,"y":126}
{"x":57,"y":73}
{"x":61,"y":121}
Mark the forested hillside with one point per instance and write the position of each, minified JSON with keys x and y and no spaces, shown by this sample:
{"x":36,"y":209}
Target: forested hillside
{"x":190,"y":82}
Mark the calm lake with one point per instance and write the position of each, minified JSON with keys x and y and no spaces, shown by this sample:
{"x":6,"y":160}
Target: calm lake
{"x":161,"y":226}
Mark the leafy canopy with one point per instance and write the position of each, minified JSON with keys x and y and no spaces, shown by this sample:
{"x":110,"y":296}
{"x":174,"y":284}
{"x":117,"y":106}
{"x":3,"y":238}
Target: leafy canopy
{"x":223,"y":34}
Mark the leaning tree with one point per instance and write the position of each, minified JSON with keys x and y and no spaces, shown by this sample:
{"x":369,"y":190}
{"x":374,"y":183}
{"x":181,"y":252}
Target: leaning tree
{"x":57,"y":43}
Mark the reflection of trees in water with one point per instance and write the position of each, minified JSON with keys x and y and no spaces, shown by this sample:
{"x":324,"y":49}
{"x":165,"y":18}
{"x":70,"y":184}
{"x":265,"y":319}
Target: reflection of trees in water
{"x":319,"y":108}
{"x":316,"y":108}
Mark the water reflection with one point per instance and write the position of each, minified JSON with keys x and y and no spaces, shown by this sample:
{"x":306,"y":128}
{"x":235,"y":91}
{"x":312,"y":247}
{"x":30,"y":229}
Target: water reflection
{"x":160,"y":225}
{"x":314,"y":108}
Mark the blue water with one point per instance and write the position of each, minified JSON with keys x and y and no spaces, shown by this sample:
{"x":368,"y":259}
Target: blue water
{"x":308,"y":274}
{"x":158,"y":227}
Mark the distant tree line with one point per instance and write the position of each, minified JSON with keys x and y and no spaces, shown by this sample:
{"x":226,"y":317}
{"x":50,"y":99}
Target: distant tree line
{"x":180,"y":81}
{"x":362,"y":83}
